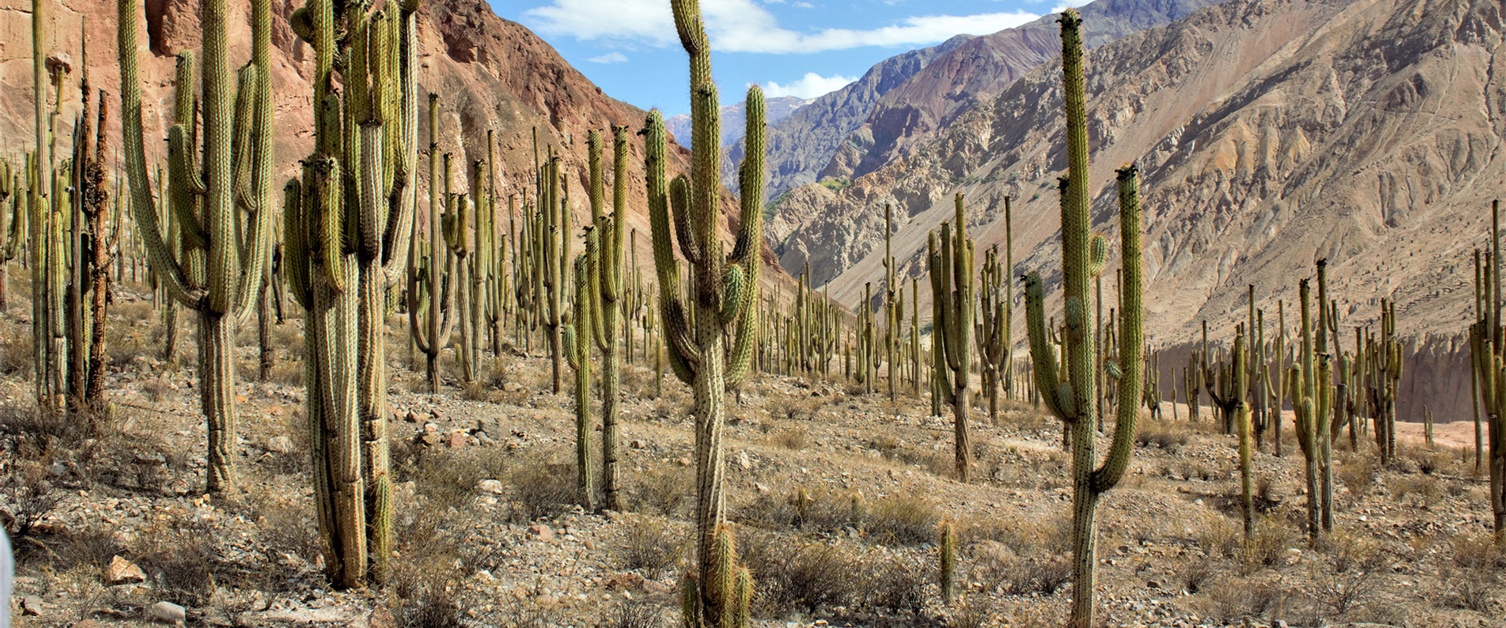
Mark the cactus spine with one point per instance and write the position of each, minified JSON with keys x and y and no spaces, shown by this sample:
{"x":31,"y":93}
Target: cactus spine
{"x":225,"y":253}
{"x":1488,"y":352}
{"x":947,"y":548}
{"x":346,"y":224}
{"x":724,"y":288}
{"x":1072,"y":400}
{"x":951,"y":269}
{"x":89,"y":257}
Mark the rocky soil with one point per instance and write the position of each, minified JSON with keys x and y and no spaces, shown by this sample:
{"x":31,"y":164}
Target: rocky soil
{"x":112,"y":527}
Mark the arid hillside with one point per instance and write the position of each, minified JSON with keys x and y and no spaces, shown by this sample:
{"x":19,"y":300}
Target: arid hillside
{"x":1271,"y":133}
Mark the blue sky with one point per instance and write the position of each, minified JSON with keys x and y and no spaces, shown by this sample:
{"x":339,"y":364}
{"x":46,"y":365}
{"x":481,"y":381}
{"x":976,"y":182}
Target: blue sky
{"x":791,"y":47}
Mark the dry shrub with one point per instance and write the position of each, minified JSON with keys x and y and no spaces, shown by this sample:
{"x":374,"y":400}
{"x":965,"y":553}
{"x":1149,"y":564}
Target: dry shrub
{"x":650,"y":547}
{"x":1220,"y":536}
{"x":972,"y":612}
{"x":541,"y":487}
{"x":633,"y":614}
{"x":179,"y":557}
{"x":798,"y":575}
{"x":1015,"y":574}
{"x":896,"y":584}
{"x":1167,"y":435}
{"x":1351,"y":581}
{"x":1476,"y":551}
{"x":903,"y":519}
{"x":421,"y":586}
{"x":16,"y":356}
{"x":1357,"y":472}
{"x":27,"y":497}
{"x":793,"y":439}
{"x":1231,"y":600}
{"x":1425,"y":487}
{"x":664,"y":491}
{"x":817,"y":510}
{"x":1469,"y":589}
{"x":1268,"y":546}
{"x":885,"y":444}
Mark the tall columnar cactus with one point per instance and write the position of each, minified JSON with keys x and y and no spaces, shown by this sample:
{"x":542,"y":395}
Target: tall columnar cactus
{"x":431,"y":290}
{"x":894,"y":302}
{"x":951,"y":268}
{"x":1311,"y":397}
{"x":1072,"y":400}
{"x":14,"y":231}
{"x":224,"y":209}
{"x":607,"y":284}
{"x":1488,"y":353}
{"x":1227,"y":387}
{"x":993,"y":333}
{"x":724,"y":289}
{"x":89,"y":257}
{"x":577,"y":340}
{"x":346,"y":223}
{"x":1385,"y":365}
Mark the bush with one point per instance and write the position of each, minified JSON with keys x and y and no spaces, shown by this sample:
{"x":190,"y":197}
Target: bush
{"x":650,"y":547}
{"x":663,"y":491}
{"x":792,"y":574}
{"x":26,"y":498}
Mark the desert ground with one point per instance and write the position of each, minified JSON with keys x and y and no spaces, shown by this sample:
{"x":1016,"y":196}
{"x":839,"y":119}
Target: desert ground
{"x":836,"y":497}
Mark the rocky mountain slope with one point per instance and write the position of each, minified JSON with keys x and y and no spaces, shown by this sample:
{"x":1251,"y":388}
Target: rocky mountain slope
{"x":1270,"y":133}
{"x":907,"y":98}
{"x":491,"y":73}
{"x":734,"y":120}
{"x":800,"y":146}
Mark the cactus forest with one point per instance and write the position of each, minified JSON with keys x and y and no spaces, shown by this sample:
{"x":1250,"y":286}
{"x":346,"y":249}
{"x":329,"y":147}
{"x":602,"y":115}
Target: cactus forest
{"x":381,"y":314}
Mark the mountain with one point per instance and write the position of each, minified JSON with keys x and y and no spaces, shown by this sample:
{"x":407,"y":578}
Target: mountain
{"x":735,"y":121}
{"x":800,"y":145}
{"x":1270,"y":133}
{"x":979,"y":69}
{"x":491,"y":74}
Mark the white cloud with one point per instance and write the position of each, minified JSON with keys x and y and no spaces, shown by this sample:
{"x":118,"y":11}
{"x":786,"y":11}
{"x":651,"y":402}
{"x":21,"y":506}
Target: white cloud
{"x":745,"y":26}
{"x":809,"y":86}
{"x":1070,"y":4}
{"x":611,"y":57}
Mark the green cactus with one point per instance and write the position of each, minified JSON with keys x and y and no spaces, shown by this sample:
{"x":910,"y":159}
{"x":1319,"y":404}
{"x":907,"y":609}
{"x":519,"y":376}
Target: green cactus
{"x":431,"y":290}
{"x":577,"y":334}
{"x":995,"y":344}
{"x":951,"y":270}
{"x":224,"y":210}
{"x":347,"y":224}
{"x":1072,"y":400}
{"x":725,"y":293}
{"x":1383,"y":357}
{"x":1311,"y":396}
{"x":607,"y":283}
{"x":13,"y":232}
{"x":1227,"y":387}
{"x":1488,"y":354}
{"x":894,"y":303}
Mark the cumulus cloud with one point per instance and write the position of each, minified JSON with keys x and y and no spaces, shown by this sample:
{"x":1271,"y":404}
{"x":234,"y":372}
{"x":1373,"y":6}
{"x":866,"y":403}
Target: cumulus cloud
{"x":611,"y":57}
{"x":1070,"y":4}
{"x":809,"y":86}
{"x":745,"y":26}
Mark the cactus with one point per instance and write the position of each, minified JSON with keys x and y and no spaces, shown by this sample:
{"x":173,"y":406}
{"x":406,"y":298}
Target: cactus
{"x":1072,"y":400}
{"x":951,"y":269}
{"x":347,"y":222}
{"x":89,"y":258}
{"x":894,"y":302}
{"x":993,"y":333}
{"x":1229,"y":396}
{"x":430,"y":303}
{"x":607,"y":283}
{"x":1488,"y":356}
{"x":224,"y":252}
{"x":577,"y":344}
{"x":1312,"y":397}
{"x":13,"y":233}
{"x":947,"y":548}
{"x":725,"y":288}
{"x":1383,"y":357}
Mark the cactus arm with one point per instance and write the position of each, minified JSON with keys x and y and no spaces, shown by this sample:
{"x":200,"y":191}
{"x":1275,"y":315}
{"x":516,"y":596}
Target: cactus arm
{"x":1042,"y":357}
{"x":143,"y":208}
{"x":1132,"y":333}
{"x":296,"y":268}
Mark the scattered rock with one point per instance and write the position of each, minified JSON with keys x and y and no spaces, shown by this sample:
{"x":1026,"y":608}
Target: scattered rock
{"x":456,"y":439}
{"x":122,"y":571}
{"x":31,"y":605}
{"x":512,"y":387}
{"x":543,"y":532}
{"x":490,"y":486}
{"x":168,"y":613}
{"x":637,"y":444}
{"x":280,"y":445}
{"x":411,"y":417}
{"x":743,"y":461}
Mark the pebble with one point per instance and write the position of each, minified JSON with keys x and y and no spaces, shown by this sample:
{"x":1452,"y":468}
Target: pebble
{"x":167,"y":612}
{"x":122,"y":571}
